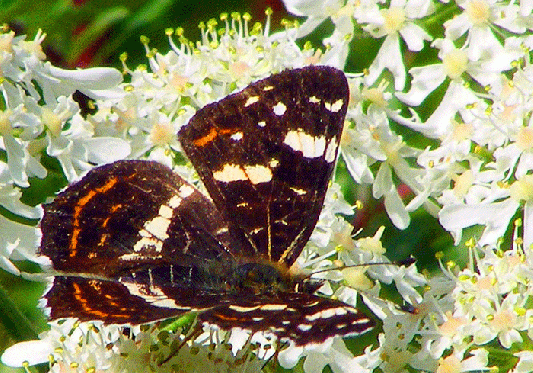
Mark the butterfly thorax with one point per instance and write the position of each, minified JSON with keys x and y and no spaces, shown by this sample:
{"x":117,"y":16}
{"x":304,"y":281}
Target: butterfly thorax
{"x":258,"y":278}
{"x":268,"y":278}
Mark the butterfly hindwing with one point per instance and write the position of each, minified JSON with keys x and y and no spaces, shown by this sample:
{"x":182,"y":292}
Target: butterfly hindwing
{"x":145,"y":294}
{"x":299,"y":317}
{"x":109,"y":301}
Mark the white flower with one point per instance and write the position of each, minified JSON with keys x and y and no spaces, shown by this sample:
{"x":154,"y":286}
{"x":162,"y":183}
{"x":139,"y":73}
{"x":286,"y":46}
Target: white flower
{"x":17,"y":242}
{"x":376,"y":140}
{"x":393,"y":22}
{"x":479,"y":16}
{"x":76,"y":147}
{"x":318,"y":11}
{"x":458,"y":363}
{"x":70,"y":346}
{"x":332,"y":353}
{"x":10,"y":197}
{"x":494,"y":208}
{"x":490,"y":302}
{"x":525,"y":364}
{"x":24,"y":122}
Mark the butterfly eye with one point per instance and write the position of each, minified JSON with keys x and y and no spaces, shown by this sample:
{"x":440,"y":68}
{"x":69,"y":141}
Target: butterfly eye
{"x":308,"y":285}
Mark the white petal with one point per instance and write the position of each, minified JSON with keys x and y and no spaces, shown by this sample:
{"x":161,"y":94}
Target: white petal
{"x":495,"y":216}
{"x":396,"y":210}
{"x":32,"y":352}
{"x":290,"y":356}
{"x":107,"y":149}
{"x":414,"y":37}
{"x":383,"y":182}
{"x":389,"y":57}
{"x":528,"y":224}
{"x":93,"y":78}
{"x":425,"y":80}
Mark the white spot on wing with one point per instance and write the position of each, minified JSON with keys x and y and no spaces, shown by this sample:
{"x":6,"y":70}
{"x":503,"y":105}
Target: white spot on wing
{"x":175,"y":201}
{"x":298,"y":191}
{"x":273,"y":307}
{"x":251,"y":100}
{"x":131,"y":256}
{"x":326,"y":314}
{"x":305,"y":327}
{"x":313,"y":99}
{"x":229,"y":173}
{"x":331,"y":150}
{"x":310,"y":146}
{"x":157,"y":227}
{"x":222,"y":230}
{"x":261,"y":124}
{"x":242,"y":309}
{"x":258,"y":174}
{"x":361,"y":321}
{"x":280,"y":108}
{"x":236,"y":136}
{"x":154,"y":232}
{"x":165,"y":211}
{"x":152,"y":295}
{"x":185,"y":191}
{"x":148,"y":243}
{"x":334,"y":106}
{"x":268,"y":88}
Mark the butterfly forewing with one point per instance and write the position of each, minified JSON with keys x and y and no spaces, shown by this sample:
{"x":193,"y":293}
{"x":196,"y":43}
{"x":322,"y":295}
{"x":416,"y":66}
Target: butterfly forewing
{"x":266,"y":154}
{"x":131,"y":214}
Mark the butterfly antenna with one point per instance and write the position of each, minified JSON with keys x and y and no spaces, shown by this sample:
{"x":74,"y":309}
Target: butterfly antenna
{"x":407,"y":307}
{"x":402,"y":263}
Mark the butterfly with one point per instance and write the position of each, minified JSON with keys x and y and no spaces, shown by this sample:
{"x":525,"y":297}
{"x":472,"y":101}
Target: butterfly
{"x":132,"y":242}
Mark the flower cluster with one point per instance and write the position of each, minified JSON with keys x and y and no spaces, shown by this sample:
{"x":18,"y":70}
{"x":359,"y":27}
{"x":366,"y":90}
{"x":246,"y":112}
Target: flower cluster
{"x":41,"y":119}
{"x":478,"y":170}
{"x":71,"y":346}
